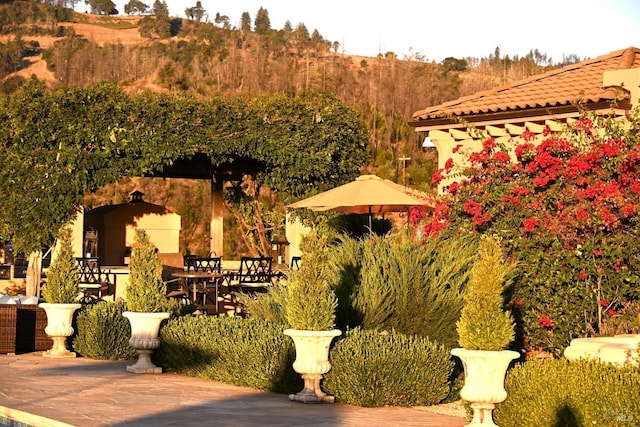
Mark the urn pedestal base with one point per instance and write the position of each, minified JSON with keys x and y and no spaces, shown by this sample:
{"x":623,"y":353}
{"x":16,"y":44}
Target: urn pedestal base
{"x":59,"y":349}
{"x":312,"y":393}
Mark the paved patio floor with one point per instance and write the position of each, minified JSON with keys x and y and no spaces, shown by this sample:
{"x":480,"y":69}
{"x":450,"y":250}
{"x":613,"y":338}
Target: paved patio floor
{"x":84,"y":392}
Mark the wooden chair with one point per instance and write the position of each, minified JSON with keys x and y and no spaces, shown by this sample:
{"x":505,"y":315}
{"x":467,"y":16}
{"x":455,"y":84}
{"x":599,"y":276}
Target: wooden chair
{"x":93,"y":282}
{"x":295,"y":262}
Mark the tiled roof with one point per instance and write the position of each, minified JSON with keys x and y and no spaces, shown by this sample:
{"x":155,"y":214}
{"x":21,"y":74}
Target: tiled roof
{"x":561,"y":87}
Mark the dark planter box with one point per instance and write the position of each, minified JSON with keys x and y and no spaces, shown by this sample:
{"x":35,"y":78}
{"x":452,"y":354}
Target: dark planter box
{"x":22,"y":329}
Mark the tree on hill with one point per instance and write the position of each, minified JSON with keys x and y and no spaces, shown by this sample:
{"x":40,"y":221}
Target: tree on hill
{"x":245,"y":22}
{"x":101,"y":7}
{"x":135,"y":7}
{"x":262,"y":22}
{"x":196,"y":12}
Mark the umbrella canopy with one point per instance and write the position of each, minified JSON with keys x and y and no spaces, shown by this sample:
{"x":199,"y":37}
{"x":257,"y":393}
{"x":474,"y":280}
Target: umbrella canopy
{"x":368,"y":194}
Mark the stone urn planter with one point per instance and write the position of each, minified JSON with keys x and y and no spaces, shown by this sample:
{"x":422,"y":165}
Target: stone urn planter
{"x":59,"y":321}
{"x":144,"y":338}
{"x":312,"y":362}
{"x":484,"y":373}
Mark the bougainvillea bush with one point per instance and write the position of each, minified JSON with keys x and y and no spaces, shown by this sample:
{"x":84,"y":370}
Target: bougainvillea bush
{"x":567,"y":210}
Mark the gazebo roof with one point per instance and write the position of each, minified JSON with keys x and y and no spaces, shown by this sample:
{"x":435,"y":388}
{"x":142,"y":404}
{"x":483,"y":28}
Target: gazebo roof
{"x":555,"y":92}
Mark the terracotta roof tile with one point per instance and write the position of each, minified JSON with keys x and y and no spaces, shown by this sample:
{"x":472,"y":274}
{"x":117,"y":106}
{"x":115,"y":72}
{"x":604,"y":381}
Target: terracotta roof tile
{"x":565,"y":86}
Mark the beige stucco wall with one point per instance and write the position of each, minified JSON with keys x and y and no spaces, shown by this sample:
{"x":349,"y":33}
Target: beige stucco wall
{"x":116,"y":229}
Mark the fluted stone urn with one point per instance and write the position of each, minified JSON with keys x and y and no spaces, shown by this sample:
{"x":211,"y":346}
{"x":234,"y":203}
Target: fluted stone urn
{"x":144,"y":338}
{"x":59,"y":328}
{"x":484,"y":374}
{"x":312,"y":362}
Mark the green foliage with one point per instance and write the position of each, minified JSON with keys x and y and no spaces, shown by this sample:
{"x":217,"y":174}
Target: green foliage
{"x":48,"y":163}
{"x":103,"y":333}
{"x":146,"y":291}
{"x":269,"y":306}
{"x":298,"y":144}
{"x":378,"y":369}
{"x":310,"y":302}
{"x":63,"y":281}
{"x":245,"y":352}
{"x":556,"y":392}
{"x":483,"y":324}
{"x":397,"y":283}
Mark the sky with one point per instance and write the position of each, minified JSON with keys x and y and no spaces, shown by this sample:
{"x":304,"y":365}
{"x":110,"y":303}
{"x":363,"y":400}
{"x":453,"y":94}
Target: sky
{"x":436,"y":29}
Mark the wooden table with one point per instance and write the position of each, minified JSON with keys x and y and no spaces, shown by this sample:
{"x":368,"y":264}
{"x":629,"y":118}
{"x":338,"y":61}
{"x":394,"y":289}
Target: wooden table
{"x":195,"y":276}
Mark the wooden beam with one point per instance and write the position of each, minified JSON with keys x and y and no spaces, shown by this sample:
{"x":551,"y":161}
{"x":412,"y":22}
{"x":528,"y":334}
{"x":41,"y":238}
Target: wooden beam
{"x":496,"y":131}
{"x":513,"y":129}
{"x":554,"y":125}
{"x":534,"y":127}
{"x":459,"y":134}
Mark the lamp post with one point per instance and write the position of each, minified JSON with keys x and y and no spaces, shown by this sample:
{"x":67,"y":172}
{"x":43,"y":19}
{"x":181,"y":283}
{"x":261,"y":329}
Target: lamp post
{"x":279,"y":247}
{"x":404,"y":161}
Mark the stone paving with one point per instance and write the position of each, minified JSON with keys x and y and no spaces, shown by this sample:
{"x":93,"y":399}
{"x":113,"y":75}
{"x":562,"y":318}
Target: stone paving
{"x":83,"y":392}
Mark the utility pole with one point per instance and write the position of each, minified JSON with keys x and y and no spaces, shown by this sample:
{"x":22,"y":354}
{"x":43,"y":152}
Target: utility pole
{"x":404,"y":161}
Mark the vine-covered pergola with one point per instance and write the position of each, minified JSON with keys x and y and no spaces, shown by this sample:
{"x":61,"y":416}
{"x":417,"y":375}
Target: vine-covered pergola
{"x":59,"y":145}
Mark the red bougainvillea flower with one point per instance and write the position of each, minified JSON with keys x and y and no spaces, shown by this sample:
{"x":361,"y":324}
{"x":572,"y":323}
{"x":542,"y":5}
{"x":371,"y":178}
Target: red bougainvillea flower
{"x":501,"y":156}
{"x":453,"y":188}
{"x":456,"y":148}
{"x":517,"y":303}
{"x":616,"y":265}
{"x":583,"y":275}
{"x":521,"y":191}
{"x":603,"y":303}
{"x":545,"y":321}
{"x":628,"y":210}
{"x":448,"y":165}
{"x":489,"y":144}
{"x":582,"y":215}
{"x":437,"y":177}
{"x":597,"y":252}
{"x":612,"y":312}
{"x":472,"y":207}
{"x":530,"y":224}
{"x":584,"y":123}
{"x":527,"y":135}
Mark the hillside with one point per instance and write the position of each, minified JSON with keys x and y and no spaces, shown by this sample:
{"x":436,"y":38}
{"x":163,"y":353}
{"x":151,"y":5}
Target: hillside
{"x":69,"y":49}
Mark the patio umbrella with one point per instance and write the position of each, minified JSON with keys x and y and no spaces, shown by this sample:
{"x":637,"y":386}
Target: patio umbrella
{"x":368,"y":194}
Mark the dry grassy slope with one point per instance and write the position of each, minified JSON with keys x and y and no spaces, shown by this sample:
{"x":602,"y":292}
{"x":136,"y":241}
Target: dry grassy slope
{"x":90,"y":28}
{"x":93,"y":28}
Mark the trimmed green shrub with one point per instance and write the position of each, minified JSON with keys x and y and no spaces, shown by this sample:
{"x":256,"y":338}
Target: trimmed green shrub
{"x":63,"y":282}
{"x":370,"y":368}
{"x":570,"y":394}
{"x":102,"y":332}
{"x":484,"y":325}
{"x":310,"y":301}
{"x":246,"y":352}
{"x":304,"y":301}
{"x":146,"y":290}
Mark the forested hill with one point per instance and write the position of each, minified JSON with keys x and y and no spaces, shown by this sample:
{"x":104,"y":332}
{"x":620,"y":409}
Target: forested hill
{"x":161,"y":53}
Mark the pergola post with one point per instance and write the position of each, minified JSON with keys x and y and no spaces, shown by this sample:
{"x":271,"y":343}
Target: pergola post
{"x":217,"y":213}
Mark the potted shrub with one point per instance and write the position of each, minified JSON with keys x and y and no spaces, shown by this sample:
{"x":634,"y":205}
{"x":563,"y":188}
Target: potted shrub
{"x":61,"y":292}
{"x":485,"y":330}
{"x":146,"y":301}
{"x":310,"y":311}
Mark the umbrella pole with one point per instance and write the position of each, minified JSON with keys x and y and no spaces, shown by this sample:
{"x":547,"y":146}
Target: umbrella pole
{"x":370,"y":215}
